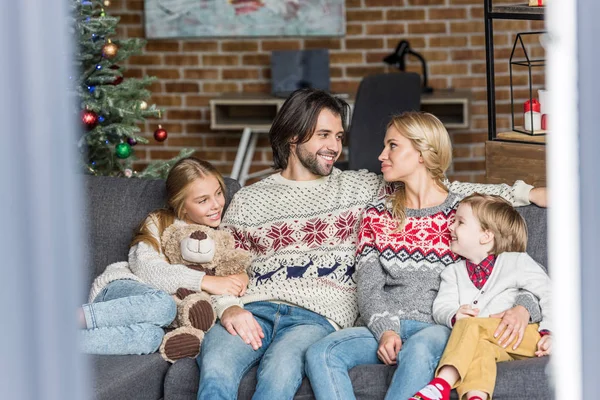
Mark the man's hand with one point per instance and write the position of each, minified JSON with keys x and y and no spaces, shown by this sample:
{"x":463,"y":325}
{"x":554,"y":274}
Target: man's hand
{"x":240,"y":322}
{"x":466,"y":311}
{"x":389,"y":346}
{"x":544,"y":346}
{"x":539,"y":196}
{"x":513,"y":324}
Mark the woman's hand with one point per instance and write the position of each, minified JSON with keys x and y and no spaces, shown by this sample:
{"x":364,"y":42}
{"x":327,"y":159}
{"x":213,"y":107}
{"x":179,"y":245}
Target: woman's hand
{"x":513,"y":324}
{"x":233,"y":285}
{"x":539,"y":196}
{"x":465,"y":311}
{"x":389,"y":346}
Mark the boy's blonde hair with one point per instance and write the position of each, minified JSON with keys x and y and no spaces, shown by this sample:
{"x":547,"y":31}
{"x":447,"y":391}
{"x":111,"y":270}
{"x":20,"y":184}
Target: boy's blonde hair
{"x":181,"y":175}
{"x":429,"y":137}
{"x":499,"y":217}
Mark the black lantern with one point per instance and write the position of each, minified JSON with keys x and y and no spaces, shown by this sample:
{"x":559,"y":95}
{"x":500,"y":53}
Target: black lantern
{"x":397,"y":59}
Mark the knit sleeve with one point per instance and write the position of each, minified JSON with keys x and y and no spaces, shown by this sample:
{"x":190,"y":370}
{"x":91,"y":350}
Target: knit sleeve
{"x":534,"y":279}
{"x":152,"y":267}
{"x":366,"y":237}
{"x":371,"y":283}
{"x":517,"y":194}
{"x":447,"y":301}
{"x":234,"y":222}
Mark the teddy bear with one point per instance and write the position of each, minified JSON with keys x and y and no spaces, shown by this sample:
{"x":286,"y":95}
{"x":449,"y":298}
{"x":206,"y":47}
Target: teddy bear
{"x":204,"y":249}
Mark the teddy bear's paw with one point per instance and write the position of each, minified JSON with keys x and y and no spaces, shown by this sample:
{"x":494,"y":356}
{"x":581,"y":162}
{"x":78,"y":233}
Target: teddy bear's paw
{"x":182,"y":293}
{"x":181,"y":343}
{"x":200,"y":315}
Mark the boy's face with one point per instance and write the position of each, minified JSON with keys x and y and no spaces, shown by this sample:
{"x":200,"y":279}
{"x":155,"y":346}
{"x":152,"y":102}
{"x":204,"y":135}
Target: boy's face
{"x":467,"y":236}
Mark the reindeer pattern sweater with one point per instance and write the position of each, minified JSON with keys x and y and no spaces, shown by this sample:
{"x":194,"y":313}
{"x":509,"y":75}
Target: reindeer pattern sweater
{"x":303,"y":238}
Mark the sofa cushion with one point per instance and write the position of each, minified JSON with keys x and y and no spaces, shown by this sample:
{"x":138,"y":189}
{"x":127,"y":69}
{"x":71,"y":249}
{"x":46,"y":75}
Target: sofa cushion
{"x":517,"y":380}
{"x":128,"y":377}
{"x":537,"y":230}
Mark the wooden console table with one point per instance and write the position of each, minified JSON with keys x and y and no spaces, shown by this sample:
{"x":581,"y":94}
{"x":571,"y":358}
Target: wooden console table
{"x":254,"y":113}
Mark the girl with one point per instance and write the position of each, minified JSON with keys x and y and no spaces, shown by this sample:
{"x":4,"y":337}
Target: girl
{"x":404,"y":244}
{"x":130,"y":303}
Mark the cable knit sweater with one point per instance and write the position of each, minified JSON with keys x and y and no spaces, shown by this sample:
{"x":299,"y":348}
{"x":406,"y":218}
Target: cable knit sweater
{"x":399,"y":272}
{"x":303,"y":237}
{"x":512,"y":271}
{"x":150,"y":266}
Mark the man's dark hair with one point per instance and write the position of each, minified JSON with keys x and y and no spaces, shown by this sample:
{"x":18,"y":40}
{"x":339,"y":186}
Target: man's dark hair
{"x":298,"y":117}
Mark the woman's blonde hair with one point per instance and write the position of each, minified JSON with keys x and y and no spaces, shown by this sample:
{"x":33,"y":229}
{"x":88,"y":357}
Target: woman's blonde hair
{"x":430,"y":138}
{"x":499,"y":217}
{"x":181,"y":175}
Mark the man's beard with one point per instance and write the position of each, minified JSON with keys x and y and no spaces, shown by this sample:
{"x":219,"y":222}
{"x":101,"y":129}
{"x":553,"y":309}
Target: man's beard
{"x":311,"y":163}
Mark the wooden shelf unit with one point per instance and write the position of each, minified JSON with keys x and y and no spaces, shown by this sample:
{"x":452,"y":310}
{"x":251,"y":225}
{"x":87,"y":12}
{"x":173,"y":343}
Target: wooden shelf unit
{"x":237,"y":111}
{"x":510,"y":155}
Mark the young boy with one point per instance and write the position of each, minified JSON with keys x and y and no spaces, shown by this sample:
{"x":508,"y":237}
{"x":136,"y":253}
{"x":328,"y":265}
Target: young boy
{"x":492,"y":236}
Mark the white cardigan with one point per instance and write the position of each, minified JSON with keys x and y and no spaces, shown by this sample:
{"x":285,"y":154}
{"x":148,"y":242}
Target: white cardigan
{"x":512,"y":272}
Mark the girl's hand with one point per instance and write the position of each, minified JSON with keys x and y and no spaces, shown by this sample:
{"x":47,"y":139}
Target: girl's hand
{"x":232,"y":285}
{"x":243,"y":277}
{"x":544,"y":346}
{"x":389,"y":346}
{"x":466,"y":311}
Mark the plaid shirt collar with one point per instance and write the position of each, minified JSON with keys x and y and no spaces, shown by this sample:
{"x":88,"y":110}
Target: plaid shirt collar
{"x":479,"y":273}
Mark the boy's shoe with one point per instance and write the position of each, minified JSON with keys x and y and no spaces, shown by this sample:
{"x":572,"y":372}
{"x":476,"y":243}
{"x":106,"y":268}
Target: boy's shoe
{"x":437,"y":389}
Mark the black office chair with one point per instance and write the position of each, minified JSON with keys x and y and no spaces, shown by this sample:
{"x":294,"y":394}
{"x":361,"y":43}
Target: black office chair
{"x":379,"y":97}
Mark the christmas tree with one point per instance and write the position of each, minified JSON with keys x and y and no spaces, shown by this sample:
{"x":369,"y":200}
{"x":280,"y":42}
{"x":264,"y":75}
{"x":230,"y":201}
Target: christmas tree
{"x":111,"y":107}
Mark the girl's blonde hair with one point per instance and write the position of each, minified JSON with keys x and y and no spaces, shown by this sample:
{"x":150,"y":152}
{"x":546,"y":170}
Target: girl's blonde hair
{"x":499,"y":216}
{"x":430,"y":138}
{"x":181,"y":175}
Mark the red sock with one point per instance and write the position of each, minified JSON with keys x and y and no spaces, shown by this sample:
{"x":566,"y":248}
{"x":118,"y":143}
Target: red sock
{"x":475,"y":398}
{"x":437,"y":389}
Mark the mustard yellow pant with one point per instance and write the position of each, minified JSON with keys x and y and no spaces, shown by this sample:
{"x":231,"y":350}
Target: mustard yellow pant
{"x":474,"y":352}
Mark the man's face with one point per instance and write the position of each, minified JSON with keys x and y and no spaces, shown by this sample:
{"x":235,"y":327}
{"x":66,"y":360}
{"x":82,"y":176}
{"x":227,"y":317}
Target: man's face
{"x":319,"y":154}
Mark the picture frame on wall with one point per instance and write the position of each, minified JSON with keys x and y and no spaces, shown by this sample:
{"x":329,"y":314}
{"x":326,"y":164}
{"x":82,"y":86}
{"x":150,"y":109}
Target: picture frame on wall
{"x":243,"y":18}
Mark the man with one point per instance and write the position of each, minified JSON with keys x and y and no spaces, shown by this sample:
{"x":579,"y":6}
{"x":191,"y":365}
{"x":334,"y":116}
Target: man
{"x":301,"y":226}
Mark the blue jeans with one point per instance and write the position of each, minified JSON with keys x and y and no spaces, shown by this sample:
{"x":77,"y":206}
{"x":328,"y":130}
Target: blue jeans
{"x":289,"y":331}
{"x":126,"y":318}
{"x":329,"y":360}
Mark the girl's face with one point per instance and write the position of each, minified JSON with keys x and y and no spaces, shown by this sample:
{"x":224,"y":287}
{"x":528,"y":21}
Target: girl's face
{"x":204,"y":201}
{"x":399,"y":158}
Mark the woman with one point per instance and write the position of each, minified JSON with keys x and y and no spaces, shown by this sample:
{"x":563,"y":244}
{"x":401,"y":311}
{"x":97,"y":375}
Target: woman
{"x":404,"y":244}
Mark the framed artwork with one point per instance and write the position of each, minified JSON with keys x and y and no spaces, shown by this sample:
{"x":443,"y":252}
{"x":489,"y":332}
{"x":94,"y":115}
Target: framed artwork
{"x":243,"y":18}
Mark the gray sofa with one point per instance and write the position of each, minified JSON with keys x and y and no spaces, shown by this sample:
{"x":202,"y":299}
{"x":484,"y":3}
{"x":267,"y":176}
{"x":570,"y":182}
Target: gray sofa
{"x":117,"y":205}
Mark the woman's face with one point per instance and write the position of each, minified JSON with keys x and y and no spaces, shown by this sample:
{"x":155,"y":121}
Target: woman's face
{"x":204,"y":201}
{"x":399,"y":159}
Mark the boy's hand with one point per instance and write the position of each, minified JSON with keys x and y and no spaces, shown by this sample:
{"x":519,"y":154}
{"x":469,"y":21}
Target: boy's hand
{"x":466,"y":311}
{"x":544,"y":346}
{"x":389,"y":346}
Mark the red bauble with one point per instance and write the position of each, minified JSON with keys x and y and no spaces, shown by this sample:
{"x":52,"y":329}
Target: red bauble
{"x":89,"y":119}
{"x":160,"y":135}
{"x":118,"y":79}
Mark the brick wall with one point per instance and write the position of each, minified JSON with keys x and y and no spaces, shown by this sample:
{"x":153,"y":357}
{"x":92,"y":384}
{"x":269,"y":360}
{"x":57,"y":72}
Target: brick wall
{"x":449,"y":33}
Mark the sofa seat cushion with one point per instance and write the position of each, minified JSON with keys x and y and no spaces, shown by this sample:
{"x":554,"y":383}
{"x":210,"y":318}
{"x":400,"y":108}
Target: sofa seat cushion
{"x":517,"y":380}
{"x":128,"y":377}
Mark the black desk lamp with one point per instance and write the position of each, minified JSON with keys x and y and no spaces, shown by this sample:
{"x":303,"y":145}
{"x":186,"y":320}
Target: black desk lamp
{"x":397,"y":59}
